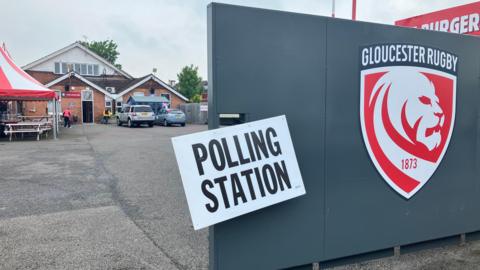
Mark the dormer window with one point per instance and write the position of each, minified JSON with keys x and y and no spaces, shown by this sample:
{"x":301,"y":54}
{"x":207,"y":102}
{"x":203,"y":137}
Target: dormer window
{"x":82,"y":69}
{"x":57,"y":68}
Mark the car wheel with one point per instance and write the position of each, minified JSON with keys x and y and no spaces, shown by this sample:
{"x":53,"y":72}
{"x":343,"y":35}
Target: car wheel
{"x":165,"y":123}
{"x":183,"y":124}
{"x":129,"y":123}
{"x":119,"y":123}
{"x":150,"y":124}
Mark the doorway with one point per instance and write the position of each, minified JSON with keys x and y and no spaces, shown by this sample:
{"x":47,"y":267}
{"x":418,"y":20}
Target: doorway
{"x":87,"y":110}
{"x":87,"y":106}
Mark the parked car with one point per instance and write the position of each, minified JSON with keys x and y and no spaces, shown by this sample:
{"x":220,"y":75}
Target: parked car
{"x":169,"y":117}
{"x":135,"y":115}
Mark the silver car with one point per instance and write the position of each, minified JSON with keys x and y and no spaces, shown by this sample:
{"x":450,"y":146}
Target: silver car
{"x":135,"y":115}
{"x":169,"y":117}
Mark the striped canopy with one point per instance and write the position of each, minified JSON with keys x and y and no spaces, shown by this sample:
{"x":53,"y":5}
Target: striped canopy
{"x":16,"y":84}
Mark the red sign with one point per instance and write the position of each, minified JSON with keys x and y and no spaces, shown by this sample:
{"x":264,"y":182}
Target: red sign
{"x":71,"y":94}
{"x":407,"y":111}
{"x":463,"y":19}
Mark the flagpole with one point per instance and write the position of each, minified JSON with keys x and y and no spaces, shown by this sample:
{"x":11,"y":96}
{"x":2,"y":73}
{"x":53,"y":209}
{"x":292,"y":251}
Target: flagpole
{"x":354,"y":10}
{"x":333,"y":8}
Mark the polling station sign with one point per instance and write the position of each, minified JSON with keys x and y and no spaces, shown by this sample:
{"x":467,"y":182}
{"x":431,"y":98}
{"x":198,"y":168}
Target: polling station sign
{"x":235,"y":170}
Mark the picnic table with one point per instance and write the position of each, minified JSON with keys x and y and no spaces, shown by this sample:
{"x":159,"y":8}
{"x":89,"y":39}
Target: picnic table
{"x":38,"y":127}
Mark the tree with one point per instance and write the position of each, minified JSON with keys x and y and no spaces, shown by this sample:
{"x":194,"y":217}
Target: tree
{"x":189,"y":83}
{"x":106,"y":49}
{"x":196,"y":98}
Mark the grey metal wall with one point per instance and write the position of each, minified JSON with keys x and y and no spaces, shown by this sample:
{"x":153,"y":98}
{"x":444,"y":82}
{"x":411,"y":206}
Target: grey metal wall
{"x":265,"y":63}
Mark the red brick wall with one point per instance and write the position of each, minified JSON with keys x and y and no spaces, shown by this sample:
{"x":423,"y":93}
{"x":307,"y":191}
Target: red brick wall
{"x":73,"y":104}
{"x":98,"y":105}
{"x":35,"y":108}
{"x":43,"y":76}
{"x":38,"y":108}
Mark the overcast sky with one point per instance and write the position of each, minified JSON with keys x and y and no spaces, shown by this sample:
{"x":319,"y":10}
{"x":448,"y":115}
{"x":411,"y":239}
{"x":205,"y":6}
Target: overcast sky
{"x":166,"y":34}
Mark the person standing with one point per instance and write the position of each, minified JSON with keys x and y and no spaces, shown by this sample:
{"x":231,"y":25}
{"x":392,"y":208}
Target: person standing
{"x":67,"y":115}
{"x":106,"y":116}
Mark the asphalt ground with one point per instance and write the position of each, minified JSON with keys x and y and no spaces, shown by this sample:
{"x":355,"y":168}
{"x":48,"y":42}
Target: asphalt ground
{"x":108,"y":197}
{"x":100,"y":197}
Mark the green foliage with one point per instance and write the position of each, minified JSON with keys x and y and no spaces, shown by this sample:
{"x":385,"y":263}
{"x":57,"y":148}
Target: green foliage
{"x":196,"y":98}
{"x":106,"y":49}
{"x":189,"y":83}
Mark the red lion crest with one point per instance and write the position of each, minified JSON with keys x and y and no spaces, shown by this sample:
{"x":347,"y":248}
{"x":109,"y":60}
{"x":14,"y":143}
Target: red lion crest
{"x":407,"y":115}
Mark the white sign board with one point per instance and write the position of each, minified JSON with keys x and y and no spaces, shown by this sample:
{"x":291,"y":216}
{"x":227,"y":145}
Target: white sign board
{"x":204,"y":108}
{"x":235,"y":170}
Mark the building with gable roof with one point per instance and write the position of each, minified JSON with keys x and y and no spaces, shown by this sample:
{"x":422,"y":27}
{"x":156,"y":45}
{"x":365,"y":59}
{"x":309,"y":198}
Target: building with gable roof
{"x":88,"y":84}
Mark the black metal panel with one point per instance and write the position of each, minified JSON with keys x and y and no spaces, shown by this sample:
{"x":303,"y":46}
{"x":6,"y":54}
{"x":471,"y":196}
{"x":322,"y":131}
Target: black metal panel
{"x":362,"y":209}
{"x":266,"y":63}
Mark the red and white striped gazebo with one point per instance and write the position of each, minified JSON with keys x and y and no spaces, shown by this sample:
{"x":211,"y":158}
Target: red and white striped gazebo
{"x":17,"y":85}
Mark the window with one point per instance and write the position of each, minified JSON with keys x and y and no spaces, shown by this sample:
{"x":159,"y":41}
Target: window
{"x":166,"y":95}
{"x":152,"y":91}
{"x":83,"y":69}
{"x":108,"y":103}
{"x":119,"y":106}
{"x":91,"y":70}
{"x":143,"y":109}
{"x":57,"y":68}
{"x":87,"y":95}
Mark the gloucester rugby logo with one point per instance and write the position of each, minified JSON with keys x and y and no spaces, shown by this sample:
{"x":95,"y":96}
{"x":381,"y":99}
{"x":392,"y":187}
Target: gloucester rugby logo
{"x":407,"y":111}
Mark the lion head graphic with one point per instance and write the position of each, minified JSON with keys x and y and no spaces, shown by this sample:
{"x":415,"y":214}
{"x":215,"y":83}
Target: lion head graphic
{"x":410,"y":107}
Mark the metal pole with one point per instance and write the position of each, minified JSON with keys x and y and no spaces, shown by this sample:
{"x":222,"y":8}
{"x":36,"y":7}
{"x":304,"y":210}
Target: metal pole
{"x":333,"y":8}
{"x":354,"y":10}
{"x":55,"y":126}
{"x":57,"y":102}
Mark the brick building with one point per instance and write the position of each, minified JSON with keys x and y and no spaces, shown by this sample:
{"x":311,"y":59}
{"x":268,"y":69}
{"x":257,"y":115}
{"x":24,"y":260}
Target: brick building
{"x":88,"y":84}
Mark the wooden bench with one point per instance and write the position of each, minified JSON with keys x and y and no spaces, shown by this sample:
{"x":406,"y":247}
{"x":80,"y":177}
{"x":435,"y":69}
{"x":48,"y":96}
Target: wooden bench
{"x":45,"y":129}
{"x":27,"y":127}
